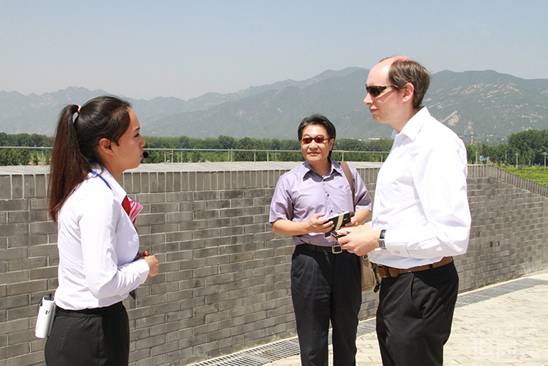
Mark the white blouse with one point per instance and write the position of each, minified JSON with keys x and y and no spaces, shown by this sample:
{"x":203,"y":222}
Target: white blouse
{"x":97,"y":247}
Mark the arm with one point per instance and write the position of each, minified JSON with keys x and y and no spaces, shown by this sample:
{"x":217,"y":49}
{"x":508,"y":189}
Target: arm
{"x":98,"y":239}
{"x":316,"y":224}
{"x":360,"y":217}
{"x":363,"y":200}
{"x":281,"y":214}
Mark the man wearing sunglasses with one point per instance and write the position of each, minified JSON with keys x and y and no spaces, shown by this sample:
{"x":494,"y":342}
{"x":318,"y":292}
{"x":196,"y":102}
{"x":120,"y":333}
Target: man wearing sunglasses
{"x":421,"y":218}
{"x":325,"y":281}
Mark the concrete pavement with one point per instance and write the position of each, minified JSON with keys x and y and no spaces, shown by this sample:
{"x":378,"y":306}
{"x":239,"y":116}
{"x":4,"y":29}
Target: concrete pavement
{"x":502,"y":324}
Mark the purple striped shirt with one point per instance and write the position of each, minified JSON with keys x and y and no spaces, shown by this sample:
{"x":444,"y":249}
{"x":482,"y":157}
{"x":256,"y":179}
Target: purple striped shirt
{"x":301,"y":192}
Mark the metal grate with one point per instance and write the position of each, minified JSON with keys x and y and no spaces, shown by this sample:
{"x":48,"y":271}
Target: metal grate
{"x":240,"y":359}
{"x":498,"y":290}
{"x":277,"y":351}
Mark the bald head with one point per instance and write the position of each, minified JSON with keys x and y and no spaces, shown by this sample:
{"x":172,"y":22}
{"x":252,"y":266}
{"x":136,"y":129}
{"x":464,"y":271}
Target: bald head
{"x":391,"y":59}
{"x":401,"y":70}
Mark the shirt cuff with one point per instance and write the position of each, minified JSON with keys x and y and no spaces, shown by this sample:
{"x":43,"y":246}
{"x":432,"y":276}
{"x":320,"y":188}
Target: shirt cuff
{"x":394,"y":245}
{"x":363,"y":207}
{"x":142,"y":268}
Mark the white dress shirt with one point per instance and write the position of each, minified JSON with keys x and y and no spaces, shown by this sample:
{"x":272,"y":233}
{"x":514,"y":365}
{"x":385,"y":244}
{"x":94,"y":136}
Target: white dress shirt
{"x":97,"y":247}
{"x":420,"y":196}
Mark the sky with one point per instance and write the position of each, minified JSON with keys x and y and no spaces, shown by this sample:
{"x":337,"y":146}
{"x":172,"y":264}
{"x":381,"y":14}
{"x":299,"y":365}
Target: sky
{"x":147,"y":49}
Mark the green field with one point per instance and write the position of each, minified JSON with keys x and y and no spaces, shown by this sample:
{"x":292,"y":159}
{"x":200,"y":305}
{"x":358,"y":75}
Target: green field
{"x":537,"y":174}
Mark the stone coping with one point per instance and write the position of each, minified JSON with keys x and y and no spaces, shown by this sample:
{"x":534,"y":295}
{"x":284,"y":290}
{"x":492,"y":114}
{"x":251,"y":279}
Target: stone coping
{"x":187,"y":167}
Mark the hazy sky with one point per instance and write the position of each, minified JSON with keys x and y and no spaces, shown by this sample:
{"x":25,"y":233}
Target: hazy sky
{"x":146,"y":49}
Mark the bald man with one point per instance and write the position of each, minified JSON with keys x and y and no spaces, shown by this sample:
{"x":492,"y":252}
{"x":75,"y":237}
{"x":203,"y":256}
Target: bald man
{"x":421,"y":218}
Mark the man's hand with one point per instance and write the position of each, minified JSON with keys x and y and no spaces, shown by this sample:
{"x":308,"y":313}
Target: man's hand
{"x":317,"y":223}
{"x":359,"y":240}
{"x":353,"y":222}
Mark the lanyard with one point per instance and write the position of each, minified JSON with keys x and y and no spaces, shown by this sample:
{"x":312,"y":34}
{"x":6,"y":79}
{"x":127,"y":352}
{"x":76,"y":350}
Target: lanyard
{"x":95,"y":174}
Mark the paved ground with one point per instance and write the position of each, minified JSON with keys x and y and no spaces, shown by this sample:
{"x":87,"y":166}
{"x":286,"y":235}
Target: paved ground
{"x":503,"y":324}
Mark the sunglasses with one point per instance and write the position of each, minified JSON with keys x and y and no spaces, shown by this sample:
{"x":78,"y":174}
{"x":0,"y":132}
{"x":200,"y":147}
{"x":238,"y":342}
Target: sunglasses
{"x":317,"y":139}
{"x":376,"y":90}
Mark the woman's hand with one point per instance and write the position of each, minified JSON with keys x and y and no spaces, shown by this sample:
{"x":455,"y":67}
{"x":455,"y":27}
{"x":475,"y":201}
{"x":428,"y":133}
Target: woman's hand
{"x":153,"y":265}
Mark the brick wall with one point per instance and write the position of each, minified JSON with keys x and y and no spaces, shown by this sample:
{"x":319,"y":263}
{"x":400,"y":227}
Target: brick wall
{"x":224,"y":282}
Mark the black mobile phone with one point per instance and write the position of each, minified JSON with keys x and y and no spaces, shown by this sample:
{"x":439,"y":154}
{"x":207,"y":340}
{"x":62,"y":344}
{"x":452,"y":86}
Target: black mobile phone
{"x":341,"y":219}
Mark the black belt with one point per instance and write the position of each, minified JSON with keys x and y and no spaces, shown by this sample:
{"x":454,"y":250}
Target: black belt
{"x":93,"y":311}
{"x":336,"y":249}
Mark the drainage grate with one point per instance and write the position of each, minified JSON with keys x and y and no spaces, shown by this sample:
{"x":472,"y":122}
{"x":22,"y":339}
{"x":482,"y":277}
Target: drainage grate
{"x":498,"y":290}
{"x":277,"y":351}
{"x":240,"y":359}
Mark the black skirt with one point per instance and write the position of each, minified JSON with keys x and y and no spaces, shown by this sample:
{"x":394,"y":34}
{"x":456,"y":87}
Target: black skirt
{"x":89,"y":337}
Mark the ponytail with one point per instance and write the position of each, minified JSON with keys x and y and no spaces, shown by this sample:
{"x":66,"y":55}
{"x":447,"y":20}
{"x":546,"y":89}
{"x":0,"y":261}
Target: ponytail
{"x":75,"y":146}
{"x":68,"y":167}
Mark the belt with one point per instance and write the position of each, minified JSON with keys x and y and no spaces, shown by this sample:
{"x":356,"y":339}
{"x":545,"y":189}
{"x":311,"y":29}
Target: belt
{"x":93,"y":311}
{"x":391,"y":272}
{"x":335,"y":249}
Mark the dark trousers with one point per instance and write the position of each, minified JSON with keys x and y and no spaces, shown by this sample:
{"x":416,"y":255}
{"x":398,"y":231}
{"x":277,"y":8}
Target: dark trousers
{"x":326,"y":287}
{"x":95,"y":337}
{"x":414,"y":316}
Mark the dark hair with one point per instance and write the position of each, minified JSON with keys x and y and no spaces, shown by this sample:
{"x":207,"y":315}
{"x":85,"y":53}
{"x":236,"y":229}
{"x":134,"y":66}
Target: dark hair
{"x":406,"y":71}
{"x":75,"y":146}
{"x":320,"y":120}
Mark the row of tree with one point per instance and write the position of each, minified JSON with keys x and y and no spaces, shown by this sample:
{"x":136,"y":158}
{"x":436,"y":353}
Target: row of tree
{"x":526,"y":147}
{"x":523,"y":148}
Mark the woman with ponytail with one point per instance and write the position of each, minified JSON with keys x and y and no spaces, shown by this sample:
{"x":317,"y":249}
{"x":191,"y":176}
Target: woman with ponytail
{"x":99,"y":264}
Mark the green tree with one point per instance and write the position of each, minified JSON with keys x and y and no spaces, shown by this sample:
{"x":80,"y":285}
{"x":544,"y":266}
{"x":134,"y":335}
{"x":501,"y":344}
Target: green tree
{"x":227,"y":142}
{"x":530,"y":145}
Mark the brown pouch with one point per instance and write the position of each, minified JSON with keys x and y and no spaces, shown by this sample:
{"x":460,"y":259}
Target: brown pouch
{"x":369,"y":276}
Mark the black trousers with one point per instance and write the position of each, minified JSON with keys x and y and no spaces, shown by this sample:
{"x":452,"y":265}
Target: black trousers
{"x":94,"y":337}
{"x":414,"y":316}
{"x":326,"y":287}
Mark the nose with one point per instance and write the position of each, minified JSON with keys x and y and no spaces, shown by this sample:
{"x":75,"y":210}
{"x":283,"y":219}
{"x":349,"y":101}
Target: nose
{"x":367,"y":100}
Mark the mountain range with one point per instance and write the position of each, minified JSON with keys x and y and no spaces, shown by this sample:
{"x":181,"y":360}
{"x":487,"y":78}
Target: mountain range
{"x":479,"y":105}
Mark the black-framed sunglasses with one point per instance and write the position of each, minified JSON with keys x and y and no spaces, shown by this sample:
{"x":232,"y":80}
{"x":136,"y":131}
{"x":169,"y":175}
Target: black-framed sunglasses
{"x":376,"y":90}
{"x":320,"y":139}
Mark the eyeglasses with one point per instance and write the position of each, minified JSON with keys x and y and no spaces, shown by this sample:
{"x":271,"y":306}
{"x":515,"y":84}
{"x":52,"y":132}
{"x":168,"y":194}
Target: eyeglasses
{"x":320,"y":139}
{"x":376,"y":90}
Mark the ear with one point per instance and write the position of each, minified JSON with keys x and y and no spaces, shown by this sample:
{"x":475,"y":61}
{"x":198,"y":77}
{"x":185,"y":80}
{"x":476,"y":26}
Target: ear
{"x":104,"y":147}
{"x":408,"y":92}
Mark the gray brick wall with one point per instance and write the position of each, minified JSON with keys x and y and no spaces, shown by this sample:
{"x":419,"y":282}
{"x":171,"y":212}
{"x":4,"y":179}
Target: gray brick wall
{"x":224,"y":282}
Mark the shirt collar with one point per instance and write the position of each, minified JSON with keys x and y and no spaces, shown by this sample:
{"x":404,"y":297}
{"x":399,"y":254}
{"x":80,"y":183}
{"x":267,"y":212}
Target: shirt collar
{"x":306,"y":169}
{"x":117,"y":190}
{"x":412,"y":128}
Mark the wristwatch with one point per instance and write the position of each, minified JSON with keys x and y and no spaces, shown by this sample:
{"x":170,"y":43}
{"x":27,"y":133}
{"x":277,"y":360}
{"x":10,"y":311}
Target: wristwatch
{"x":381,"y":242}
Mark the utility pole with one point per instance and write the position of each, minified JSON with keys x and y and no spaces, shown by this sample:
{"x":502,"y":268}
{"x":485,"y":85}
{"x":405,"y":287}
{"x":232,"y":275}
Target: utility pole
{"x":544,"y":153}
